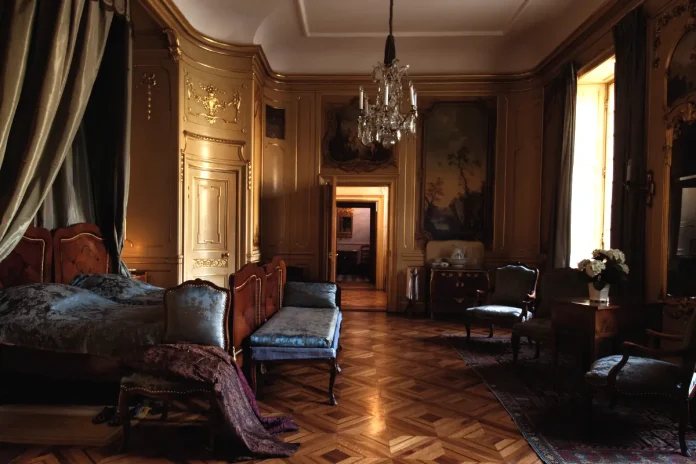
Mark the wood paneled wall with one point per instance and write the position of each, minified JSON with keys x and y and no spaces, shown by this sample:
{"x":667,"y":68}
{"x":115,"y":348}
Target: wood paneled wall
{"x":292,"y":168}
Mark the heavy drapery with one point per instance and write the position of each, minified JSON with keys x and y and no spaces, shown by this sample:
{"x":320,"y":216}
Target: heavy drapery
{"x":628,"y":208}
{"x":92,"y":184}
{"x":50,"y":53}
{"x":557,"y":166}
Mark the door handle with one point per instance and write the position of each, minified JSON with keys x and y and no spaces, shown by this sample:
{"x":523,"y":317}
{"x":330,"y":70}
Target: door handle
{"x":225,"y":255}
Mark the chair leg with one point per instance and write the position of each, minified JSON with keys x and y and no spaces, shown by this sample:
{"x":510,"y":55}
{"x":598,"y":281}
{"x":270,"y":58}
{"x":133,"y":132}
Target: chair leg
{"x":538,"y":349}
{"x":588,"y":400}
{"x":490,"y":331}
{"x":515,"y":346}
{"x":124,"y":415}
{"x":332,"y":380}
{"x":683,"y":419}
{"x":165,"y":410}
{"x":468,"y":331}
{"x":253,"y":373}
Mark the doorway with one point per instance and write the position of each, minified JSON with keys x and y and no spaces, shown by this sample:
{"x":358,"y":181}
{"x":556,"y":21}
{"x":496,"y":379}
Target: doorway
{"x":362,"y":247}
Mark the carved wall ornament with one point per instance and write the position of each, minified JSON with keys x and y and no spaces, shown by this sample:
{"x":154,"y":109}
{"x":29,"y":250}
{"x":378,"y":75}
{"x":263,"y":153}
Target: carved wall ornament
{"x":198,"y":263}
{"x":683,"y":114}
{"x":212,"y":103}
{"x":664,"y":20}
{"x":174,"y":45}
{"x":149,"y":81}
{"x":249,"y":175}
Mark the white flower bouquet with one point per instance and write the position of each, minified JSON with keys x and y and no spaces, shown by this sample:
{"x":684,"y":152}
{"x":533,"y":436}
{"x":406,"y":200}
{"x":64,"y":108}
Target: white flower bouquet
{"x":605,"y":267}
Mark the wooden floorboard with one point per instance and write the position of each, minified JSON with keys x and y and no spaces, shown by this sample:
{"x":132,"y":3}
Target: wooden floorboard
{"x":404,"y":396}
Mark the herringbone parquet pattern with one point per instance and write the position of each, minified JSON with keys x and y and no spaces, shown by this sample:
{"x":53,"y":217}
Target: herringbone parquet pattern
{"x":404,"y":396}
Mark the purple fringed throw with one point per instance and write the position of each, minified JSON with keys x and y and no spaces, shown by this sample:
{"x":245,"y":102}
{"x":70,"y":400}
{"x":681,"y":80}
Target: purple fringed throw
{"x":214,"y":367}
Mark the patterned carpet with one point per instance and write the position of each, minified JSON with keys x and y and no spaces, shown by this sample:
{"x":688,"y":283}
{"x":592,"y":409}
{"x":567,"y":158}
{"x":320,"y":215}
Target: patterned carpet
{"x":404,"y":397}
{"x":554,"y":421}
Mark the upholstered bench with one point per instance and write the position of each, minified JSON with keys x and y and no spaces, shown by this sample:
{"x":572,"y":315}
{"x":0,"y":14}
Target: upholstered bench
{"x":299,"y":334}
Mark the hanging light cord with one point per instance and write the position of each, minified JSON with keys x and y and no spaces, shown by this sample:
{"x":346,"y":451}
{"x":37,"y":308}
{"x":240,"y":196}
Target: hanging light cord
{"x":390,"y":46}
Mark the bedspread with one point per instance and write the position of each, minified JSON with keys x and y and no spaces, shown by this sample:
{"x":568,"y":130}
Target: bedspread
{"x":65,"y":318}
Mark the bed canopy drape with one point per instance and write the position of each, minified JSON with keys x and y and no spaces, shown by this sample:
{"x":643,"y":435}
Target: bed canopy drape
{"x":64,"y":72}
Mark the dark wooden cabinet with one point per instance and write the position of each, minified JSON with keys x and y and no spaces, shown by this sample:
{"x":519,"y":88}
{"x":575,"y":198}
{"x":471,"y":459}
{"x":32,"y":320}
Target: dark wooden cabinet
{"x":453,"y":290}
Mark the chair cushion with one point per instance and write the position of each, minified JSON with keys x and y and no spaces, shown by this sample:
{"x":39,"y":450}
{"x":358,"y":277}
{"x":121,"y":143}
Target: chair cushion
{"x":160,"y":384}
{"x":196,"y":314}
{"x":298,"y":327}
{"x":496,"y":311}
{"x":310,"y":295}
{"x":640,"y":376}
{"x":537,"y":328}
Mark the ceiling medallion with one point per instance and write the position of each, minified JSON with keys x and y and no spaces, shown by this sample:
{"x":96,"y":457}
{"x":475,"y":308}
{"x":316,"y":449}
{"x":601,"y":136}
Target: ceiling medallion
{"x":389,"y":118}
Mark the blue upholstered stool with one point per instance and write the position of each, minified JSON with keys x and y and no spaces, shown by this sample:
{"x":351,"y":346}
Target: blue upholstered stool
{"x":299,"y":334}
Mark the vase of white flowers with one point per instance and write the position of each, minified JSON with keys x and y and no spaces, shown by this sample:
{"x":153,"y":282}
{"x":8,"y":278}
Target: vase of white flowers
{"x":605,"y":268}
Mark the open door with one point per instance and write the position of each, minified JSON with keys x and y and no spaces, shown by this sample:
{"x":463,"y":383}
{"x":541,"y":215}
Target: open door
{"x":328,"y":255}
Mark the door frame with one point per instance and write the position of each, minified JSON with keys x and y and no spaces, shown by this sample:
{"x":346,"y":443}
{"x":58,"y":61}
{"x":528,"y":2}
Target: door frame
{"x":240,"y":169}
{"x":376,"y":226}
{"x":389,"y":182}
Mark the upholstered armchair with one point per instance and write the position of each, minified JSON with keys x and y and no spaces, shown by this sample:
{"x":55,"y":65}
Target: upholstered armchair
{"x":196,"y":311}
{"x":638,"y":372}
{"x":510,"y":299}
{"x":553,"y":284}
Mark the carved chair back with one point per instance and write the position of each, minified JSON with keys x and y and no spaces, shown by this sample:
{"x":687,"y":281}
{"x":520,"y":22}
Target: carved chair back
{"x":197,"y":311}
{"x":514,"y":285}
{"x":558,"y":283}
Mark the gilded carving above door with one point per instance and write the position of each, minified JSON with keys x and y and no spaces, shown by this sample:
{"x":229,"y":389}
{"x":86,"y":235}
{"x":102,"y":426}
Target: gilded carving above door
{"x":211,"y":101}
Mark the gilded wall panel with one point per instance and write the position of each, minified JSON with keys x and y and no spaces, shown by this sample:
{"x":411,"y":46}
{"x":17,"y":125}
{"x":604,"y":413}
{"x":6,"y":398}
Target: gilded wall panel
{"x":217,"y":102}
{"x":151,"y":219}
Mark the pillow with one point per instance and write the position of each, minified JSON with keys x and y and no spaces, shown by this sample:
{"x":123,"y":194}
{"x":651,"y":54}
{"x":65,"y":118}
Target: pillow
{"x":196,"y":313}
{"x":310,"y":295}
{"x":121,"y":289}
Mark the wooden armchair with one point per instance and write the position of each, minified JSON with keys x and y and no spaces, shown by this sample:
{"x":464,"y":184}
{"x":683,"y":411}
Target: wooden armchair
{"x":639,"y":372}
{"x":511,"y":298}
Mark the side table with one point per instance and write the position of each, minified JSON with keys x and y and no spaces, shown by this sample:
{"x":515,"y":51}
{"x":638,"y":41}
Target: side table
{"x":593,"y":323}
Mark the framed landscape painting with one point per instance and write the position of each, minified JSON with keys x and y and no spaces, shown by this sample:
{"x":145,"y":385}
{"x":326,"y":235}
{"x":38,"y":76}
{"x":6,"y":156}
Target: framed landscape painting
{"x":458,"y":167}
{"x":341,"y":147}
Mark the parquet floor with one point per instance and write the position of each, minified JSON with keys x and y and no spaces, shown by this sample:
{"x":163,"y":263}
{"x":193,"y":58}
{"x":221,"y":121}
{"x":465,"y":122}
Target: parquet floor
{"x":363,"y":299}
{"x":404,"y":396}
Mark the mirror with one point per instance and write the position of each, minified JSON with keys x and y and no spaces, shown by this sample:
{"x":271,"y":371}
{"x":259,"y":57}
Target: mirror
{"x":345,"y":222}
{"x":681,"y":265}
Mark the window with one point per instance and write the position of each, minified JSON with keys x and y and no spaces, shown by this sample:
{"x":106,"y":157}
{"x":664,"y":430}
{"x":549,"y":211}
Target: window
{"x":590,"y":210}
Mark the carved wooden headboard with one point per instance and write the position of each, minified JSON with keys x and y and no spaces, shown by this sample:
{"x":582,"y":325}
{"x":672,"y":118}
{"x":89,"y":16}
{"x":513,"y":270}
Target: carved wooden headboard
{"x":246,"y":286}
{"x":276,"y":275}
{"x":30,"y":261}
{"x":78,"y":249}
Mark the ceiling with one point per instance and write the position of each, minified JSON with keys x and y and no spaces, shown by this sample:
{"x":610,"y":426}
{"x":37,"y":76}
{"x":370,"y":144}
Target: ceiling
{"x":432,"y":36}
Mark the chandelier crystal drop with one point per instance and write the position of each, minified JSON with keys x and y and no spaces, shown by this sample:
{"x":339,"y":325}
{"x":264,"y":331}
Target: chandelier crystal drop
{"x":390,"y":117}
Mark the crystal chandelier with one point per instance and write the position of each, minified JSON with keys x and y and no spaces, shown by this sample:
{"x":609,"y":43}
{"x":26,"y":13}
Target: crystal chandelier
{"x":389,"y":118}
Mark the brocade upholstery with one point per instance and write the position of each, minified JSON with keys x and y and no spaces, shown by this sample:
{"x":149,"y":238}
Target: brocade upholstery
{"x":160,"y":384}
{"x":536,"y":328}
{"x":120,"y":289}
{"x":513,"y":285}
{"x":639,"y":376}
{"x":496,"y":311}
{"x":196,"y":313}
{"x":59,"y":317}
{"x":298,"y":327}
{"x":310,"y":295}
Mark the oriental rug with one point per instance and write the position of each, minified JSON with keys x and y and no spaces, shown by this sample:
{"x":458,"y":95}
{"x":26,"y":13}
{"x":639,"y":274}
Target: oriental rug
{"x":553,"y":420}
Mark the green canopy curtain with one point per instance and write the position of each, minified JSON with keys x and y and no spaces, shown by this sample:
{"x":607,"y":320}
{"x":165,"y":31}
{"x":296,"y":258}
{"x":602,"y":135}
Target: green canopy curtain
{"x":557,"y":166}
{"x":628,"y":208}
{"x":50,"y":54}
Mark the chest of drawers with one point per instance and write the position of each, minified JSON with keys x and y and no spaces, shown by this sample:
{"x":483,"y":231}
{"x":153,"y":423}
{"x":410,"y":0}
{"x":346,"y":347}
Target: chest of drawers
{"x":454,"y":290}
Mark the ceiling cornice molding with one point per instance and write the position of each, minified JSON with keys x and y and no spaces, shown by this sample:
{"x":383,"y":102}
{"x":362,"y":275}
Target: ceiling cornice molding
{"x":598,"y":24}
